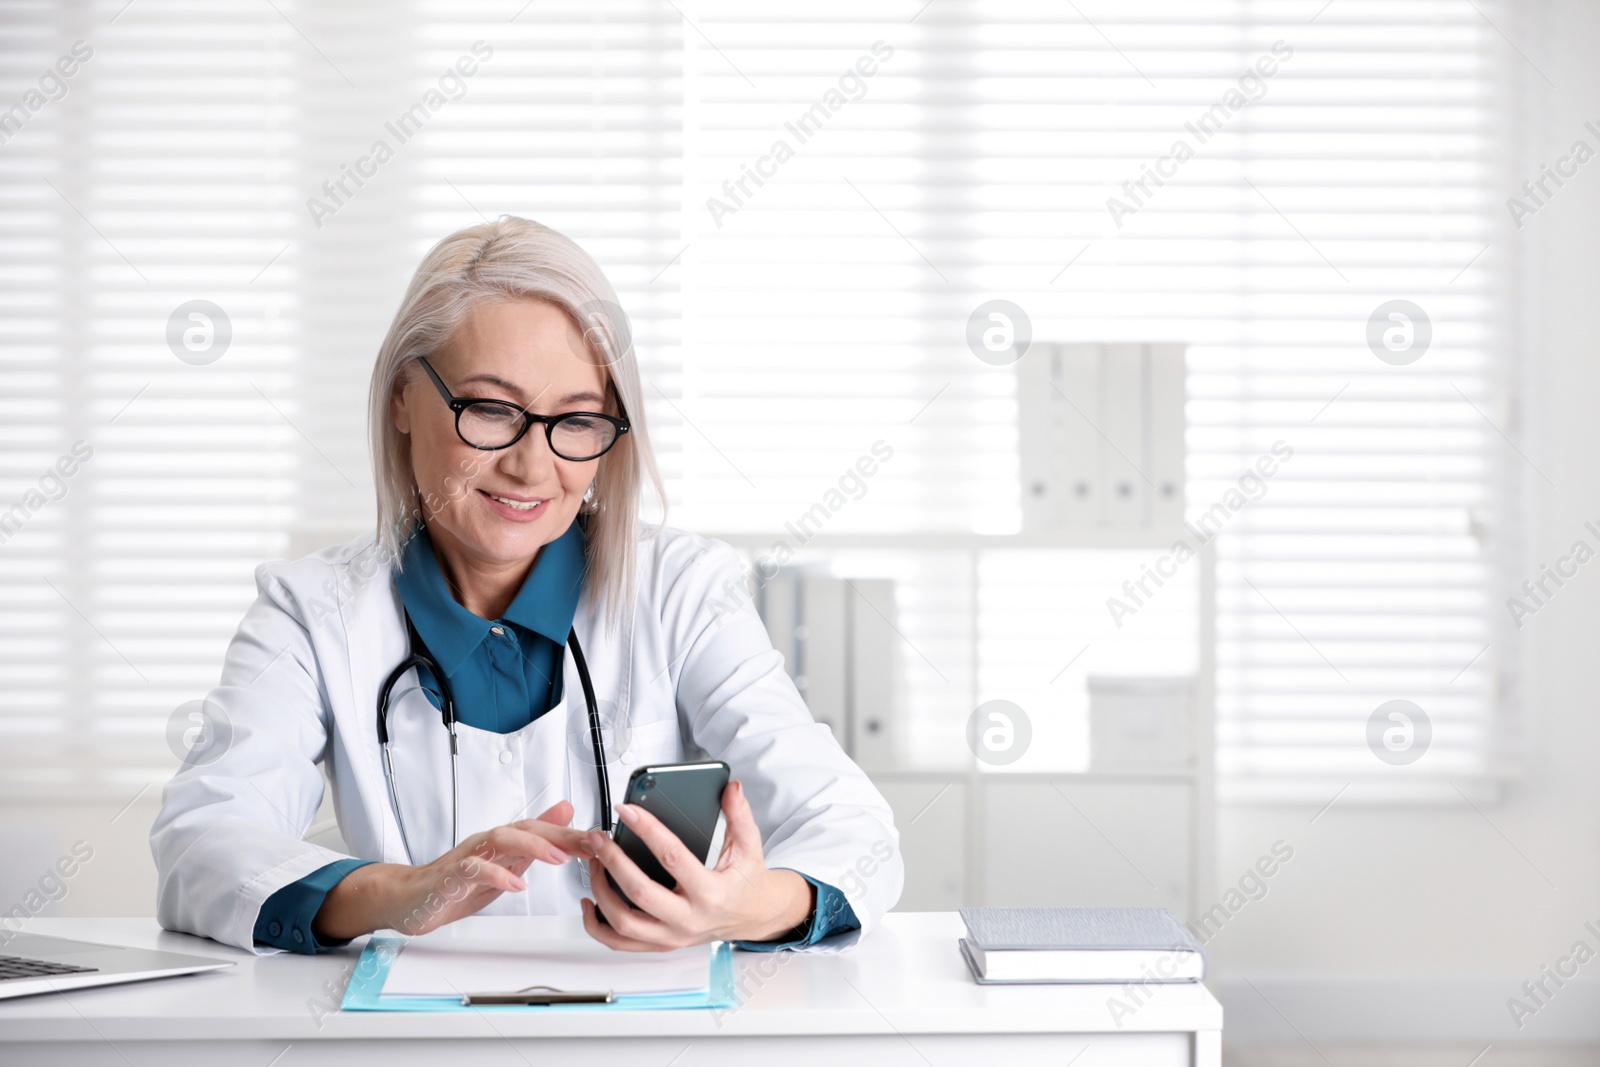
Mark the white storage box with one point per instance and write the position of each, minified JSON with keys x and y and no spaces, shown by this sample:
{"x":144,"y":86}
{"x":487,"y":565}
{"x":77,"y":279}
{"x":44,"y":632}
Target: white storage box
{"x":1140,"y":722}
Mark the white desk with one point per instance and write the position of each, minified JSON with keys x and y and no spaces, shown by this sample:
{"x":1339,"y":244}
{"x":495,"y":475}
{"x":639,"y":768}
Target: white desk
{"x":903,"y":996}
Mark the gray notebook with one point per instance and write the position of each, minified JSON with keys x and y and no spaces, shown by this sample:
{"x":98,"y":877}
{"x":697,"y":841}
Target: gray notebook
{"x":1079,"y":945}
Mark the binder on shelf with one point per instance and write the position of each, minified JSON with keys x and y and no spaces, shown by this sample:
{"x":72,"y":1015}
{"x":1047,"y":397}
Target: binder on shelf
{"x":840,"y":644}
{"x":1102,"y":437}
{"x":1122,"y":414}
{"x":822,"y":644}
{"x":1165,"y":392}
{"x":874,"y":671}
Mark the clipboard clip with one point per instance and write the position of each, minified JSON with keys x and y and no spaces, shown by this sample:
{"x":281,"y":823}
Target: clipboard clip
{"x":539,"y":996}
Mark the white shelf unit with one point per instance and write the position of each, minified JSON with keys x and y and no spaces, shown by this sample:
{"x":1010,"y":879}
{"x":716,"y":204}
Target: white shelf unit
{"x":1004,"y":847}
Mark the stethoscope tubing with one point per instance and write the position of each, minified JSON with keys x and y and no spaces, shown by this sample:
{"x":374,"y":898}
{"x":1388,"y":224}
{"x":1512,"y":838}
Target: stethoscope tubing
{"x":447,"y":710}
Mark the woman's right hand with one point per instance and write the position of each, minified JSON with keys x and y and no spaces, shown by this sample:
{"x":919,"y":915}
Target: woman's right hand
{"x":415,"y":900}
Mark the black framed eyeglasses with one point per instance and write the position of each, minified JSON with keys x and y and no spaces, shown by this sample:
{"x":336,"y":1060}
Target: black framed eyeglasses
{"x":491,"y":425}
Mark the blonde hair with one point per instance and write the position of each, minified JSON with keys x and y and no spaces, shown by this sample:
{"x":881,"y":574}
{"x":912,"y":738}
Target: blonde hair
{"x":515,"y":259}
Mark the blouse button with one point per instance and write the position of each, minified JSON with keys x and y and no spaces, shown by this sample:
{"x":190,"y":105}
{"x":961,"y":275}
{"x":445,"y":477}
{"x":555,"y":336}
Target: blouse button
{"x":505,"y":757}
{"x":498,"y":631}
{"x":275,"y":929}
{"x":299,"y":938}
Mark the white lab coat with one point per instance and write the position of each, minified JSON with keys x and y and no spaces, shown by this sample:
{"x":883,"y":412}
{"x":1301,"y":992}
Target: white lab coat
{"x":695,"y":676}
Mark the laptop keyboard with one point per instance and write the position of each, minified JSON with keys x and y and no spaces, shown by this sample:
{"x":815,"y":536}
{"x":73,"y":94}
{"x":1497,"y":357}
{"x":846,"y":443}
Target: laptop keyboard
{"x":22,"y":967}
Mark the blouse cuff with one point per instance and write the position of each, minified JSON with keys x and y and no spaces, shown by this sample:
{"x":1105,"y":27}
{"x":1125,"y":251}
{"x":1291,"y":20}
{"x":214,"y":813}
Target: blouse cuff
{"x":833,"y":915}
{"x":285,"y":918}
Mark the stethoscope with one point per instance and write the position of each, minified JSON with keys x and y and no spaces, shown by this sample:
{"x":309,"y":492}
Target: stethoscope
{"x":418,"y":657}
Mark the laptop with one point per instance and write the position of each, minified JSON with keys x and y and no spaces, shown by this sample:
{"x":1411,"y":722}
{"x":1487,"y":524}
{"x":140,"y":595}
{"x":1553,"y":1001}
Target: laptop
{"x":34,"y":963}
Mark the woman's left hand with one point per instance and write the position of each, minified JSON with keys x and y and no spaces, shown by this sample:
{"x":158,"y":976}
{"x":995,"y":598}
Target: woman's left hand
{"x":737,"y":900}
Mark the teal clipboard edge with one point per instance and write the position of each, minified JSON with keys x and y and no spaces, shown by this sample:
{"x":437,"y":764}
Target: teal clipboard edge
{"x":364,"y":990}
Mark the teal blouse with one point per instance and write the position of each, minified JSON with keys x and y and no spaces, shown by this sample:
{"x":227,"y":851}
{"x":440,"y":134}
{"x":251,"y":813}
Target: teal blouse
{"x":506,"y":672}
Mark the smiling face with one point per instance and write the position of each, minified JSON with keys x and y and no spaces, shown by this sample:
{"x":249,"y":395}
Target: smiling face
{"x":491,"y":511}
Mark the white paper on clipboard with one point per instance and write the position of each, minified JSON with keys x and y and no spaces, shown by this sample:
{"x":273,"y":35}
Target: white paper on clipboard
{"x":453,"y":966}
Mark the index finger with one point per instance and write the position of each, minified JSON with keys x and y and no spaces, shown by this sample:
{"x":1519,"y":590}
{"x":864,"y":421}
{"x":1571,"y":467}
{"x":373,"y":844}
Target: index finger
{"x":565,"y":838}
{"x":512,"y":842}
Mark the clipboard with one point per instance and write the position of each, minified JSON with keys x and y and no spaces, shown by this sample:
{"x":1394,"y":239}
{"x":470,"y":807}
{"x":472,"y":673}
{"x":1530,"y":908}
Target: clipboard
{"x":364,"y":991}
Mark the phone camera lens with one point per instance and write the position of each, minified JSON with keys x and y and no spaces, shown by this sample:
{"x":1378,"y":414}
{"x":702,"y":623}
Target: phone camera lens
{"x":647,"y":783}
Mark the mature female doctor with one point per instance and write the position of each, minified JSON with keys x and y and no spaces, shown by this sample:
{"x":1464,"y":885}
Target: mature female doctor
{"x":510,"y":447}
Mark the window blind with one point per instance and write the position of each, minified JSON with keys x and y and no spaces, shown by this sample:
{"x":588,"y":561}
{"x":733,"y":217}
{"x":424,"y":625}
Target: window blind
{"x":154,"y":175}
{"x":207,"y":154}
{"x":573,"y":118}
{"x":1253,"y":180}
{"x":801,"y":206}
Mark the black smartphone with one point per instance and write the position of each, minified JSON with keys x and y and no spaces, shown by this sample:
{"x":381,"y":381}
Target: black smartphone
{"x":687,"y":798}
